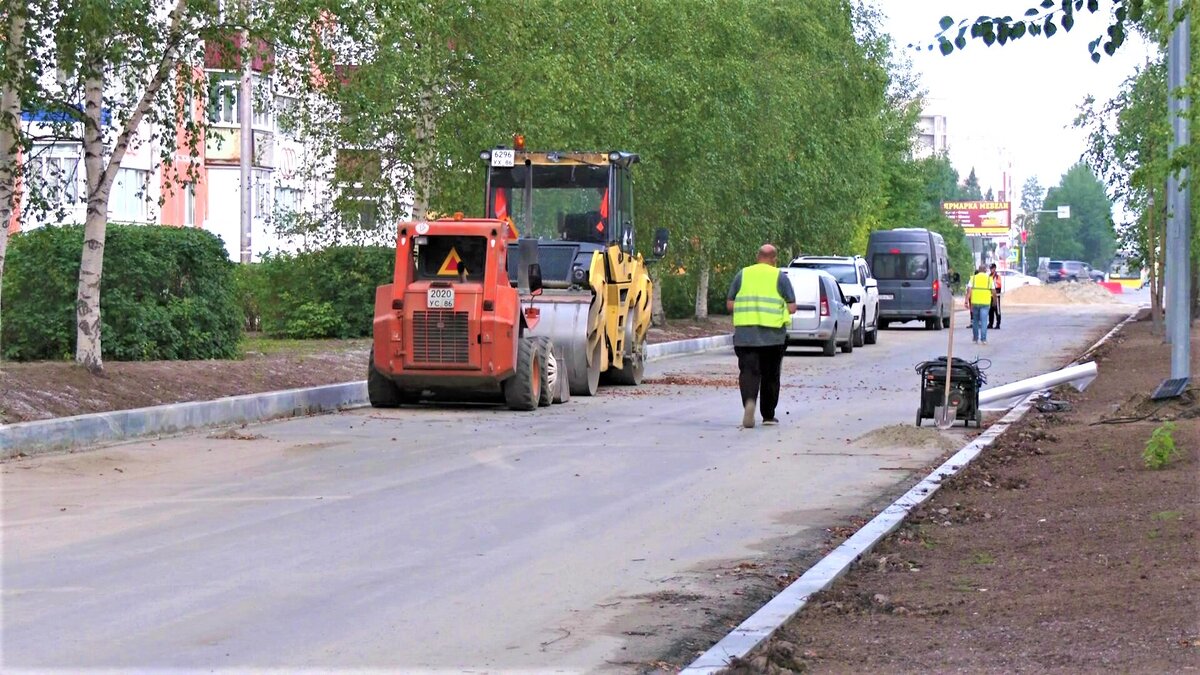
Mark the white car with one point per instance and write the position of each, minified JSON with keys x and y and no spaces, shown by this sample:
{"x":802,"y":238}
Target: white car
{"x":854,"y":277}
{"x":1010,"y":279}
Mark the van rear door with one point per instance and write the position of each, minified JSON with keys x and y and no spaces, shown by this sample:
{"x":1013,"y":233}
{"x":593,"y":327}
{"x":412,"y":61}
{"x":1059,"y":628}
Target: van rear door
{"x":808,"y":298}
{"x":903,"y":272}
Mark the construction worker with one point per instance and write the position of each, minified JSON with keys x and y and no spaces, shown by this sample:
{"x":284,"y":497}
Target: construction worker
{"x":994,"y":311}
{"x":762,"y":302}
{"x":979,"y":301}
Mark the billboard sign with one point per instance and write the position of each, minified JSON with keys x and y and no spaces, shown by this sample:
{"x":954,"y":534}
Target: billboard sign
{"x":980,"y":218}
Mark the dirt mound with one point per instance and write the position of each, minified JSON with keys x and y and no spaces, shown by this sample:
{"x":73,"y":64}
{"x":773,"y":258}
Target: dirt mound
{"x":907,"y":436}
{"x":1084,"y":293}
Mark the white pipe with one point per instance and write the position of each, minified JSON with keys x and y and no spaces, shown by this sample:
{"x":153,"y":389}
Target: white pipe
{"x":1080,"y":376}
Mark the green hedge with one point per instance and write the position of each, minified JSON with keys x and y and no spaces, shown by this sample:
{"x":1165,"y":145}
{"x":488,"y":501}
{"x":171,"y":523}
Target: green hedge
{"x":329,"y":293}
{"x":166,"y":293}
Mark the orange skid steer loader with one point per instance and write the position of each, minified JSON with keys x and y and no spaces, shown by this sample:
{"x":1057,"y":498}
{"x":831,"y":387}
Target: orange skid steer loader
{"x":452,"y":325}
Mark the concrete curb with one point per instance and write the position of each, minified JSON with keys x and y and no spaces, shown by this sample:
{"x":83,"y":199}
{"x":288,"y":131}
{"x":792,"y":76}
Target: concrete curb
{"x":65,"y":433}
{"x":779,"y":610}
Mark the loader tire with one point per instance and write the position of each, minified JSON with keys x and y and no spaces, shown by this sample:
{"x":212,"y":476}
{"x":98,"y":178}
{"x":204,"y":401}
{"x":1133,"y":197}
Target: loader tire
{"x":523,"y":391}
{"x":548,"y":370}
{"x":381,"y":391}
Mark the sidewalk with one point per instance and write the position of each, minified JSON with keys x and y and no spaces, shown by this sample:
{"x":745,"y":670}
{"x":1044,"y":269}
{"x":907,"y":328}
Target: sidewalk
{"x":1056,"y":551}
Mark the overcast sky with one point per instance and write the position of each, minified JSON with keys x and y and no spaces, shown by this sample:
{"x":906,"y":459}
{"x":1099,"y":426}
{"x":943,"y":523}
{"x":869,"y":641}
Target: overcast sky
{"x":1017,"y":101}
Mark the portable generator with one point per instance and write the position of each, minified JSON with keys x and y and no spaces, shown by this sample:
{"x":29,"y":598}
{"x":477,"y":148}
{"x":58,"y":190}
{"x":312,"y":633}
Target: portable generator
{"x":966,"y":379}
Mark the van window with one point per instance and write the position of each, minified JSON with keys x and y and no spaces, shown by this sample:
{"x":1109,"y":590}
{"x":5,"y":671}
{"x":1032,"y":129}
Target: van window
{"x":900,"y":265}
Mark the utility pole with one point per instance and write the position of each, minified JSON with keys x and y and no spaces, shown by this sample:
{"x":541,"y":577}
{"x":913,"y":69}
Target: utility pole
{"x":1179,"y":237}
{"x":246,"y":152}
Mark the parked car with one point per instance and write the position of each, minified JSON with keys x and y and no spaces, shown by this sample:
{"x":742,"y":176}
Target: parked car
{"x":913,"y":272}
{"x":854,"y":277}
{"x":1069,"y":270}
{"x":1010,"y":279}
{"x":823,"y":317}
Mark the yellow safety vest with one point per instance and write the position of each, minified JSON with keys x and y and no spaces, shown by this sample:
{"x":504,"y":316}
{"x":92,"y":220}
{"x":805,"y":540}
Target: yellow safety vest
{"x":758,"y":302}
{"x":981,"y":289}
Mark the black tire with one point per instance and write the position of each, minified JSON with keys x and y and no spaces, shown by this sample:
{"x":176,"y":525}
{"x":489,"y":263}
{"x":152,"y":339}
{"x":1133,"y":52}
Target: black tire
{"x":830,"y":346}
{"x":522,"y":391}
{"x":586,"y":381}
{"x":381,"y":391}
{"x":884,"y":324}
{"x":919,"y":418}
{"x":932,"y":324}
{"x":860,"y":336}
{"x":872,"y":336}
{"x":546,"y":354}
{"x":946,"y":322}
{"x":848,"y":346}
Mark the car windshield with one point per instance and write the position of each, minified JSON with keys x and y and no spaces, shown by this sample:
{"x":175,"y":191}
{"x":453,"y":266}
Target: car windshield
{"x":569,"y":201}
{"x":845,"y":274}
{"x":889,"y":266}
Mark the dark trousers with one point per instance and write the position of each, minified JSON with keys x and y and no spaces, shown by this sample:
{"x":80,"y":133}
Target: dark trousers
{"x":759,"y":369}
{"x":994,"y":313}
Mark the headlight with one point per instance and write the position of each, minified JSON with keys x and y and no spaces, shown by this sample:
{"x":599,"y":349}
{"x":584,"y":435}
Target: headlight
{"x":614,"y":156}
{"x":486,"y":155}
{"x":579,"y":276}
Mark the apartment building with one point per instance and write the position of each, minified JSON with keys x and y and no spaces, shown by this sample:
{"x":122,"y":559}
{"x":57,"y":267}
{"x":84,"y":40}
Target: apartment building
{"x":146,"y":191}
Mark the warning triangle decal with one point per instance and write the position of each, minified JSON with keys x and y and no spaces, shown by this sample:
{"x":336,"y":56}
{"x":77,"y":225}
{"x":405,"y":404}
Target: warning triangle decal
{"x":449,"y":268}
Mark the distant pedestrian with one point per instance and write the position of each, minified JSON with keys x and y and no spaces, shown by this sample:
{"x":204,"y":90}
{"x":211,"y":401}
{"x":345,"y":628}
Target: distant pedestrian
{"x":762,"y":302}
{"x":979,"y":301}
{"x":998,"y":288}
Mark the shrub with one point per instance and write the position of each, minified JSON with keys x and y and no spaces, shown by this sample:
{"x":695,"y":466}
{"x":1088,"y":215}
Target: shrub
{"x":1160,"y":449}
{"x":327,"y":293}
{"x":166,"y":293}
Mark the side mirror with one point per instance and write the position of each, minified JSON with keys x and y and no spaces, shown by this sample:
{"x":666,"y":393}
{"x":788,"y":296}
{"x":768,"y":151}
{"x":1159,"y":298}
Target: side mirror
{"x":661,"y":236}
{"x":872,"y":283}
{"x":851,"y":301}
{"x":535,"y":279}
{"x":627,"y":237}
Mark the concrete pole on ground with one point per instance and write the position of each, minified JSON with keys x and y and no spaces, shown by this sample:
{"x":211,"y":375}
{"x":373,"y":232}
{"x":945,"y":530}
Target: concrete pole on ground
{"x":1178,"y":244}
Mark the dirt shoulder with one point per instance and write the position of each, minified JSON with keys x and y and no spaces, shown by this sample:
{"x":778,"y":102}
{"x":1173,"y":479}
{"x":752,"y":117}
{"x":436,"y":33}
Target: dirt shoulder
{"x":43,"y":390}
{"x":1057,"y":550}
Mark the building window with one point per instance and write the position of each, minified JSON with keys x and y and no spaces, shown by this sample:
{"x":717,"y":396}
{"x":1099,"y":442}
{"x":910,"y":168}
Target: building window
{"x":223,"y":90}
{"x":287,"y":200}
{"x":263,"y":197}
{"x":127,"y":201}
{"x":189,"y":205}
{"x":57,"y":177}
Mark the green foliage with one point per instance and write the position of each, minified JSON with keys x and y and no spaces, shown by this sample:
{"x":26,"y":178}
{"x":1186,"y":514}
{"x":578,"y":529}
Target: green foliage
{"x":329,"y":293}
{"x":168,"y":293}
{"x":1160,"y":449}
{"x":1088,"y":235}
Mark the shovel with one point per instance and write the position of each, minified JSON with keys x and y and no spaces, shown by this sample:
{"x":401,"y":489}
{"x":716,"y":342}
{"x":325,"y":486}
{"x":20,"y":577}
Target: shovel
{"x":945,"y":414}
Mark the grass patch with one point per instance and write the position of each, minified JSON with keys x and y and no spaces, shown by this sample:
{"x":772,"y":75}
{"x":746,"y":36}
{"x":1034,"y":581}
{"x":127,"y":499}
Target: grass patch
{"x":255,"y":344}
{"x":1168,"y":515}
{"x":983,"y":558}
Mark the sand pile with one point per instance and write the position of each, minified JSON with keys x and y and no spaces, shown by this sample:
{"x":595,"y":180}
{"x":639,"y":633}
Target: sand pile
{"x":908,"y":436}
{"x":1062,"y":293}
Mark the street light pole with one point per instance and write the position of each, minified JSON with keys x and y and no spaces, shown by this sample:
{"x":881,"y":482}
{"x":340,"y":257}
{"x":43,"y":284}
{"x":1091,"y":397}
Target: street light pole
{"x":1179,"y":239}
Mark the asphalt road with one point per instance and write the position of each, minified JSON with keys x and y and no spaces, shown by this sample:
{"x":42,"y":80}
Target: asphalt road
{"x":464,"y":537}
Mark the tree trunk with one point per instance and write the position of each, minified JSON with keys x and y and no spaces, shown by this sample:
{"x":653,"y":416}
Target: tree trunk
{"x":1152,"y":261}
{"x":658,"y":315}
{"x":91,"y":262}
{"x":10,"y":120}
{"x":100,"y":176}
{"x":423,"y":164}
{"x":702,"y":292}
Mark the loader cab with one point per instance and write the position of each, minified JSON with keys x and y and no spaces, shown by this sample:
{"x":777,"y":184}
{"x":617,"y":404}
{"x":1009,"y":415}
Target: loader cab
{"x":573,"y":203}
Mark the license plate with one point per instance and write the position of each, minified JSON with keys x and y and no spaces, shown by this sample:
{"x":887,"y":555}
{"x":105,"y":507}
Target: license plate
{"x":886,"y":296}
{"x":440,"y":298}
{"x":503,"y":158}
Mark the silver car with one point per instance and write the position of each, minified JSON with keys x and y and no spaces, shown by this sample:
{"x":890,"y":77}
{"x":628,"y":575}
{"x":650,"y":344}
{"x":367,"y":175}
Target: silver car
{"x":824,"y":317}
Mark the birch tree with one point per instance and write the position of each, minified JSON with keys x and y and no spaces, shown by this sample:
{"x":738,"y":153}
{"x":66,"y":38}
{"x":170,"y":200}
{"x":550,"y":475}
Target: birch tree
{"x":12,"y":73}
{"x":113,"y":73}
